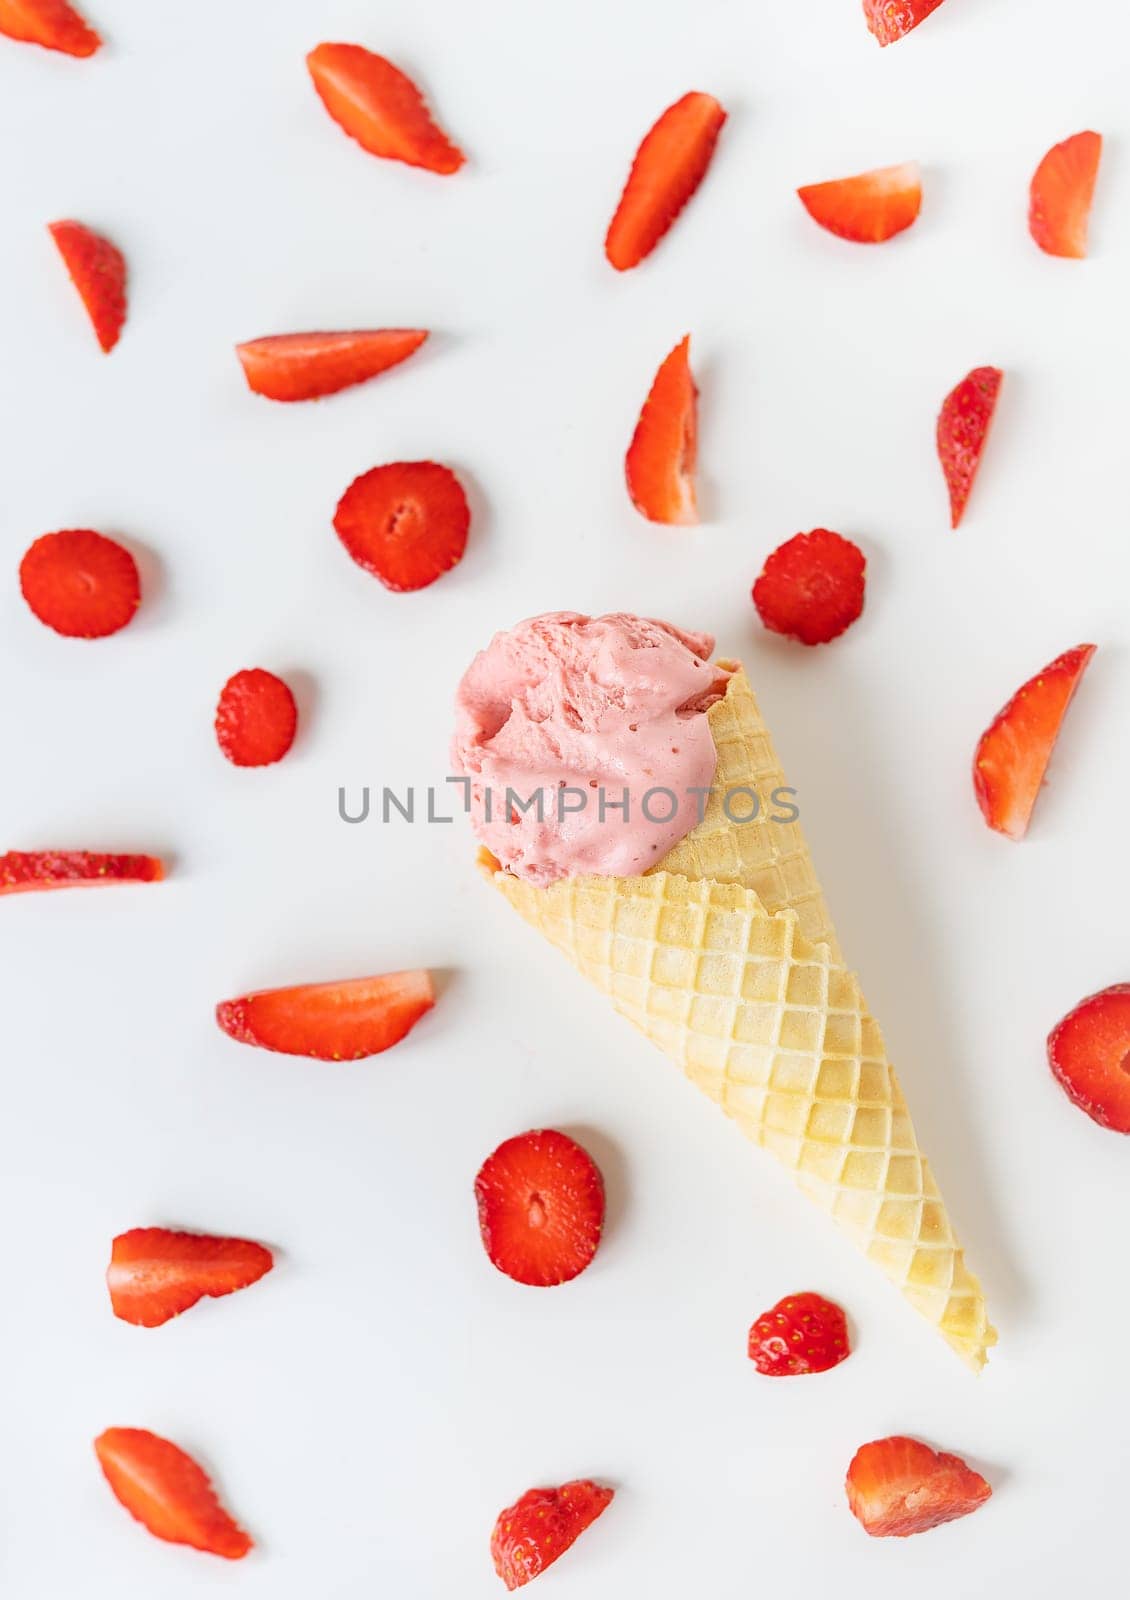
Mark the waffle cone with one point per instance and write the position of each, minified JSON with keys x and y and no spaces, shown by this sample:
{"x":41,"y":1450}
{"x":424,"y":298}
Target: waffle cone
{"x":725,"y":957}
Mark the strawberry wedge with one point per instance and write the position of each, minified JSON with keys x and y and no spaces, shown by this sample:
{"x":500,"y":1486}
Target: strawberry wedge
{"x":167,"y":1492}
{"x":1013,"y":754}
{"x":24,"y":870}
{"x":51,"y":23}
{"x":306,"y":366}
{"x":156,"y":1273}
{"x":668,"y":168}
{"x":536,"y":1530}
{"x":661,"y":458}
{"x":331,"y":1021}
{"x":870,"y":208}
{"x":1061,"y":195}
{"x":379,"y":106}
{"x":98,"y":271}
{"x":897,"y":1487}
{"x":890,"y":20}
{"x":963,"y":428}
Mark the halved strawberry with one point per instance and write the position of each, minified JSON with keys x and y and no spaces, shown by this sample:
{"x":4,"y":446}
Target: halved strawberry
{"x":668,"y":168}
{"x":156,"y":1273}
{"x":892,"y":19}
{"x":331,"y":1021}
{"x":812,"y":587}
{"x":51,"y":23}
{"x":380,"y":107}
{"x":898,"y":1486}
{"x":1089,"y":1052}
{"x":406,"y":523}
{"x":80,"y":583}
{"x":98,"y":272}
{"x":256,"y":718}
{"x":531,"y":1534}
{"x":167,"y":1492}
{"x":1061,"y":195}
{"x":660,"y":463}
{"x":541,"y":1207}
{"x":963,"y":427}
{"x":305,"y":366}
{"x":24,"y":870}
{"x":802,"y":1333}
{"x":869,"y":208}
{"x":1013,"y":754}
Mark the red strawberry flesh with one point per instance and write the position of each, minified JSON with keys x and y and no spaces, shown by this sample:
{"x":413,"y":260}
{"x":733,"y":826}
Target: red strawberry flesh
{"x":897,"y":1487}
{"x":668,"y":168}
{"x":344,"y":1021}
{"x":406,"y":523}
{"x":530,"y":1535}
{"x":80,"y":583}
{"x":22,"y":871}
{"x":890,"y":20}
{"x":306,"y":366}
{"x":1013,"y":754}
{"x":812,"y":588}
{"x":660,"y":464}
{"x":256,"y":718}
{"x":870,"y":208}
{"x":98,"y":271}
{"x":1089,"y":1053}
{"x":379,"y":106}
{"x":167,"y":1492}
{"x":157,"y":1273}
{"x":541,"y":1207}
{"x":51,"y":23}
{"x":1062,"y":193}
{"x":803,"y":1333}
{"x":963,"y":427}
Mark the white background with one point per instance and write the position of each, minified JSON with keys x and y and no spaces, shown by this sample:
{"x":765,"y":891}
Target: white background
{"x":369,"y":1407}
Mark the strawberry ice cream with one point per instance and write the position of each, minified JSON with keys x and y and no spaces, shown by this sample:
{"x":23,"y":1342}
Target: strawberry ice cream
{"x":585,"y":742}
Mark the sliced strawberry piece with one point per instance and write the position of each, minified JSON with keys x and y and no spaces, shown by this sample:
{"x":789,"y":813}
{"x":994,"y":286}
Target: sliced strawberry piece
{"x":51,"y":23}
{"x":660,"y":464}
{"x":305,"y":366}
{"x":406,"y":523}
{"x":812,"y":587}
{"x":1089,"y":1052}
{"x":541,"y":1207}
{"x":256,"y":718}
{"x":892,"y":19}
{"x":98,"y":272}
{"x":1013,"y":754}
{"x":24,"y":870}
{"x":963,"y":427}
{"x":867,"y":209}
{"x":380,"y":107}
{"x":331,"y":1021}
{"x":669,"y":166}
{"x":155,"y":1273}
{"x":802,"y":1333}
{"x":165,"y":1490}
{"x":531,"y":1534}
{"x":1061,"y":195}
{"x":897,"y":1486}
{"x":80,"y":583}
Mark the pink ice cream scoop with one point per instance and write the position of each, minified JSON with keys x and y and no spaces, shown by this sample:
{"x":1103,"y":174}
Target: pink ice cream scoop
{"x":586,"y":742}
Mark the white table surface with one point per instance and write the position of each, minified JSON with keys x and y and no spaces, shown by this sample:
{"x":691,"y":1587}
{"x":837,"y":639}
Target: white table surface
{"x":369,"y":1408}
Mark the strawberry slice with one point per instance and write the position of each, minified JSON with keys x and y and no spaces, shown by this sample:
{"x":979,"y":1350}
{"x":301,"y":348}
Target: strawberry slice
{"x":812,"y":587}
{"x":52,"y":23}
{"x":869,"y":208}
{"x":331,"y":1021}
{"x":406,"y":523}
{"x":380,"y":107}
{"x":541,"y":1207}
{"x":24,"y":870}
{"x":1013,"y":754}
{"x":167,"y":1492}
{"x":80,"y":583}
{"x":1089,"y":1052}
{"x":98,"y":272}
{"x":530,"y":1535}
{"x":897,"y":1486}
{"x":155,"y":1273}
{"x":305,"y":366}
{"x":802,"y":1333}
{"x":256,"y":718}
{"x":963,"y":427}
{"x":893,"y":19}
{"x":668,"y":168}
{"x":1061,"y":195}
{"x":660,"y":463}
